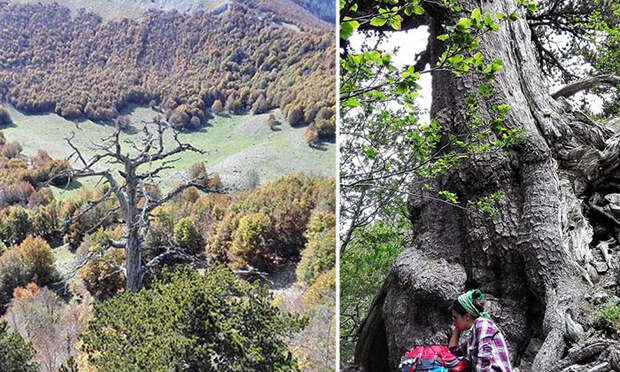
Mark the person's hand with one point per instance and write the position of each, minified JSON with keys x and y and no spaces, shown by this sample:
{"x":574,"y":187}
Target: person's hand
{"x":456,"y":332}
{"x":454,"y":339}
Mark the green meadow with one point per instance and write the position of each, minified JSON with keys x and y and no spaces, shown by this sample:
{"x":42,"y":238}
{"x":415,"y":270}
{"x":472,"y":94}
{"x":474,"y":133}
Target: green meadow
{"x":237,"y":147}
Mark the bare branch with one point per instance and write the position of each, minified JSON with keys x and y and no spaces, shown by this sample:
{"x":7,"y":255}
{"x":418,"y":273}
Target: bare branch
{"x":197,"y":183}
{"x":173,"y":252}
{"x":118,"y":243}
{"x":76,"y":151}
{"x":578,"y":86}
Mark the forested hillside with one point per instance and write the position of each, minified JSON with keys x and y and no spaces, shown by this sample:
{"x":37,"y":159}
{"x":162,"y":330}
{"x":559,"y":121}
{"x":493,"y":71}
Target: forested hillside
{"x":188,"y":66}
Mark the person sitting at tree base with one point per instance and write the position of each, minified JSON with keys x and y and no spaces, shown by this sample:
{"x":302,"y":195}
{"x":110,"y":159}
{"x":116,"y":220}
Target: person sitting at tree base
{"x":485,"y":348}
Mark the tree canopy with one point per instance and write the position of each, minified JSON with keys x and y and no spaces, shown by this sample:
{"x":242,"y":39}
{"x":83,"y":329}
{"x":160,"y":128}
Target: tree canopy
{"x":191,"y":321}
{"x":15,"y":353}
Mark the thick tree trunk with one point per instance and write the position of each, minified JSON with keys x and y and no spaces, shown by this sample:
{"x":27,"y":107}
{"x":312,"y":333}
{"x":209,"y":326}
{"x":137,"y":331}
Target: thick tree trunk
{"x":133,"y":260}
{"x":133,"y":249}
{"x":527,"y":258}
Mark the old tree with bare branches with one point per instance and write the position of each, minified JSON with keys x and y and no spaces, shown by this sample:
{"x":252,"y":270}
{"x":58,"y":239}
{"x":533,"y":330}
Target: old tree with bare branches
{"x":130,"y":170}
{"x":554,"y":241}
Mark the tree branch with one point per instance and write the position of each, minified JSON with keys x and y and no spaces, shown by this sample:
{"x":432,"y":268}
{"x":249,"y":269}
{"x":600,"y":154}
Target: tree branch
{"x":198,"y":183}
{"x":578,"y":86}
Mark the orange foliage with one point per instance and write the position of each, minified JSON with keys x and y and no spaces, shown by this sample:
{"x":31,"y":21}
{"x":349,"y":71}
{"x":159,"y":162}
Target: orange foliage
{"x":182,"y":65}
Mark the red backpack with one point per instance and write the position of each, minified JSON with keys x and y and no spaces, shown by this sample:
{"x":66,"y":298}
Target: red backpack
{"x":436,"y":358}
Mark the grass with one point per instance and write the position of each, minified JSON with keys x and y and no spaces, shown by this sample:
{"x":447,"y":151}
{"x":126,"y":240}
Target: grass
{"x":609,"y":316}
{"x":64,"y":259}
{"x":236,"y":145}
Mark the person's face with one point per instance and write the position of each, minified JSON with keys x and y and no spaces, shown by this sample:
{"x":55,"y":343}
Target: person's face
{"x":462,"y":322}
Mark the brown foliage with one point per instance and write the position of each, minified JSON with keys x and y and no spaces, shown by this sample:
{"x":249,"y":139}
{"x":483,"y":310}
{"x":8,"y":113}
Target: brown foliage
{"x":51,"y":325}
{"x":267,"y":226}
{"x":295,"y":115}
{"x":31,"y":261}
{"x":189,"y":64}
{"x":272,"y":122}
{"x":102,"y":276}
{"x":311,"y":135}
{"x":5,"y":117}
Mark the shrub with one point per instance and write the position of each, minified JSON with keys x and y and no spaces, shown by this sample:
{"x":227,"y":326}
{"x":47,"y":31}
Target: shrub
{"x":197,"y":171}
{"x":608,"y":317}
{"x":295,"y":115}
{"x":15,"y":226}
{"x":271,"y":120}
{"x":15,"y":353}
{"x":46,"y":223}
{"x":123,"y":122}
{"x":326,"y":129}
{"x":319,"y":255}
{"x":11,"y":149}
{"x":217,"y":107}
{"x":248,"y":242}
{"x":189,"y":321}
{"x":31,"y":261}
{"x":102,"y":275}
{"x":311,"y":136}
{"x":260,"y":106}
{"x":5,"y":117}
{"x":187,"y":236}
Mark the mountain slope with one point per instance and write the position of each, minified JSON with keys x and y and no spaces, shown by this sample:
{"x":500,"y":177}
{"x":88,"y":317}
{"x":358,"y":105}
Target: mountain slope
{"x":109,"y":9}
{"x":247,"y":59}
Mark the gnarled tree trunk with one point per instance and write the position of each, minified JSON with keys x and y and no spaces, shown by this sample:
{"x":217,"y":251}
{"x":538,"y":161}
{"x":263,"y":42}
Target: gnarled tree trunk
{"x":530,"y":259}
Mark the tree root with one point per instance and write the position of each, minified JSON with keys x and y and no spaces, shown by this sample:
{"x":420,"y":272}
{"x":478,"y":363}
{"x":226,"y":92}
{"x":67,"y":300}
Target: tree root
{"x":608,"y":353}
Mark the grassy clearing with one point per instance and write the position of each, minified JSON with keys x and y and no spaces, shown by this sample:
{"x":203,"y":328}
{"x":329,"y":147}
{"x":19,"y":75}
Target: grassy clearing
{"x":64,"y":260}
{"x":236,"y":145}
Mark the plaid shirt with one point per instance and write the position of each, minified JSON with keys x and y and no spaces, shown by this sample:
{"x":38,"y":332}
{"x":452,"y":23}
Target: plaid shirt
{"x":485,"y":348}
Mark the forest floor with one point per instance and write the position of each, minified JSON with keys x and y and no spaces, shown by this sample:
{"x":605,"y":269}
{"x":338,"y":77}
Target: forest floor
{"x":241,"y":148}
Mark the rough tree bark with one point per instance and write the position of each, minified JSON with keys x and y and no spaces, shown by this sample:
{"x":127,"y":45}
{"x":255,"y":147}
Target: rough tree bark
{"x":140,"y":169}
{"x":530,"y":259}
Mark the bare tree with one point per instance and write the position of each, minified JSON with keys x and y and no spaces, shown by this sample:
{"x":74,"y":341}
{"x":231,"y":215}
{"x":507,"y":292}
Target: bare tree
{"x":141,"y":168}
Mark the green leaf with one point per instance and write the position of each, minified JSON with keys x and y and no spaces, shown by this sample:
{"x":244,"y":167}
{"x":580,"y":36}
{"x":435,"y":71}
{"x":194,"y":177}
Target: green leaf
{"x":395,"y":22}
{"x":378,"y":21}
{"x":532,"y":6}
{"x":443,"y":37}
{"x":418,"y":10}
{"x":463,"y":23}
{"x":488,"y":21}
{"x":347,"y":28}
{"x":352,"y":102}
{"x":342,"y":4}
{"x":513,"y":17}
{"x":401,"y":88}
{"x":500,"y":16}
{"x":475,"y":14}
{"x":484,"y":89}
{"x":354,"y":7}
